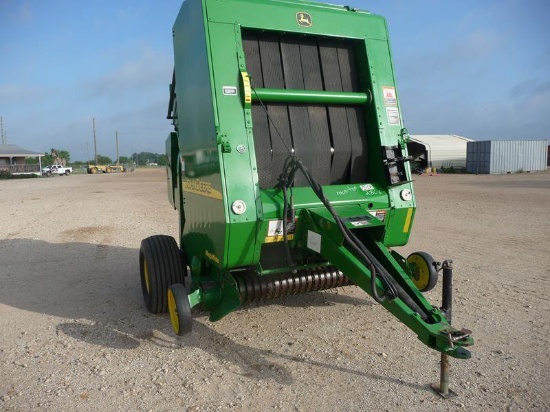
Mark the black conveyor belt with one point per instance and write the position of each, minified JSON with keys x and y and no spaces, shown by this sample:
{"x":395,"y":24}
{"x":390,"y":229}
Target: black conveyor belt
{"x":329,"y":139}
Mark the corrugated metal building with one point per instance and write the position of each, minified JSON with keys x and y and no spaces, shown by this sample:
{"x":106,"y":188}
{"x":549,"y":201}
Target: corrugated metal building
{"x":506,"y":156}
{"x":438,"y":150}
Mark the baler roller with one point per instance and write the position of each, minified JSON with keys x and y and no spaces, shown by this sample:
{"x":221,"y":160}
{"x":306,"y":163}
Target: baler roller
{"x":253,"y":287}
{"x":309,"y":97}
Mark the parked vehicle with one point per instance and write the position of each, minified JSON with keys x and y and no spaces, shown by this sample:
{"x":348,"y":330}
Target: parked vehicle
{"x":56,"y":170}
{"x":93,"y":169}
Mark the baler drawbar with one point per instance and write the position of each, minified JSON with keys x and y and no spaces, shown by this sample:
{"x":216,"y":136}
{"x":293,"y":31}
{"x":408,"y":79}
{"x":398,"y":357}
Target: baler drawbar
{"x":288,"y":167}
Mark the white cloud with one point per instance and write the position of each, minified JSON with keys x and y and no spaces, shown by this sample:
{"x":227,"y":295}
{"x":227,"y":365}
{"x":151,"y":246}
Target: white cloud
{"x":132,"y":13}
{"x":11,"y":93}
{"x":478,"y":44}
{"x":150,"y":70}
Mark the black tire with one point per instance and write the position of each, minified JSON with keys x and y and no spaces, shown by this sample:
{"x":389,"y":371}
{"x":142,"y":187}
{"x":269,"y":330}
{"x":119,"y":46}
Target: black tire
{"x":67,"y":173}
{"x":160,"y":266}
{"x":179,"y":309}
{"x":423,"y":270}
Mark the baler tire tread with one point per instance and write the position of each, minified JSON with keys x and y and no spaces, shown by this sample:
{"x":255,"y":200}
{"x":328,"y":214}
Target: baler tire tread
{"x":160,"y":266}
{"x":179,"y":309}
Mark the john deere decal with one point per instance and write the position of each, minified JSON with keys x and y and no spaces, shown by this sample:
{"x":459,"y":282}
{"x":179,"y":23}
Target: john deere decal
{"x":304,"y":19}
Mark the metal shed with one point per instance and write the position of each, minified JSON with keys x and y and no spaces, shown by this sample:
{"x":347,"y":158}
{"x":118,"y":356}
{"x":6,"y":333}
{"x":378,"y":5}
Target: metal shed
{"x":440,"y":150}
{"x":506,"y":156}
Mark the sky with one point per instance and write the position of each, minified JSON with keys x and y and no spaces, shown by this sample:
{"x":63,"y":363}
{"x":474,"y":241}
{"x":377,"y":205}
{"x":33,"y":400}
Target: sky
{"x":475,"y":68}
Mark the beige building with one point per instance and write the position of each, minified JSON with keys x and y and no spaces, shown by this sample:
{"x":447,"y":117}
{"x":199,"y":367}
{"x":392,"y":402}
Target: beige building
{"x":13,"y":157}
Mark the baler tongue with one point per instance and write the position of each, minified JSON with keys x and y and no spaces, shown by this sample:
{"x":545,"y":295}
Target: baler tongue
{"x":319,"y":231}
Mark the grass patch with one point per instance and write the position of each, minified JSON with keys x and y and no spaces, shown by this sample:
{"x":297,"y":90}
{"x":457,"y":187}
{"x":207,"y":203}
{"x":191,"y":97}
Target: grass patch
{"x":7,"y":175}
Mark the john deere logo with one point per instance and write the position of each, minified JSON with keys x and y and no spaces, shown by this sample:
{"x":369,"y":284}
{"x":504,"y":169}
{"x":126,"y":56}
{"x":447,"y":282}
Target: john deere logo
{"x":304,"y":19}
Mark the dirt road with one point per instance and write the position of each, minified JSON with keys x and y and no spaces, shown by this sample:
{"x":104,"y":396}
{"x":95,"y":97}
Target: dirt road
{"x":75,"y":335}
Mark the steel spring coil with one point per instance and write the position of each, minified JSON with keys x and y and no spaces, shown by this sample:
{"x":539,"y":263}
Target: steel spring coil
{"x":254,"y":287}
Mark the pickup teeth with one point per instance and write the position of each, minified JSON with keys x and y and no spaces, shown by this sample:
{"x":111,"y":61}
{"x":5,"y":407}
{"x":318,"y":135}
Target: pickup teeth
{"x":253,"y":287}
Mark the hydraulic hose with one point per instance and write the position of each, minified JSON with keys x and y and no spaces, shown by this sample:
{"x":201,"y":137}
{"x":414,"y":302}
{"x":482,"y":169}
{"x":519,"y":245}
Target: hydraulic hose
{"x":286,"y":180}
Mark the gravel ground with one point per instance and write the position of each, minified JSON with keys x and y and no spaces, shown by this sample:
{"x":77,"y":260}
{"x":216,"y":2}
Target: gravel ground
{"x":75,"y":335}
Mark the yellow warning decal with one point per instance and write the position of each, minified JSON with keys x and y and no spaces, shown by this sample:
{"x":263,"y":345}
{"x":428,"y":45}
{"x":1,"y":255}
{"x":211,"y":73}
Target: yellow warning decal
{"x":408,"y":220}
{"x":247,"y":89}
{"x":278,"y":238}
{"x":201,"y":188}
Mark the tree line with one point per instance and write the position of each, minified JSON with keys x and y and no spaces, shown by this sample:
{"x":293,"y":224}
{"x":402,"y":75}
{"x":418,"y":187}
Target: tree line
{"x":140,"y":159}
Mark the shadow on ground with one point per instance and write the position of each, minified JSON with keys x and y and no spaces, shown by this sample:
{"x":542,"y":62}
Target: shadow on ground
{"x":96,"y":289}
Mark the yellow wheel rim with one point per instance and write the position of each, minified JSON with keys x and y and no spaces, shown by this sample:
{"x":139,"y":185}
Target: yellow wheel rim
{"x":420,"y":271}
{"x":146,"y":276}
{"x":173,"y":311}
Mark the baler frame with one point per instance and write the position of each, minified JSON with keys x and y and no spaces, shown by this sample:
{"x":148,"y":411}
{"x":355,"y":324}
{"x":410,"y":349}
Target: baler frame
{"x":253,"y":201}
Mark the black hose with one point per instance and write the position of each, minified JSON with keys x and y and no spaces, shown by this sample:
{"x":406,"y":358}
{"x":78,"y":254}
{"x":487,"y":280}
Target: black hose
{"x":286,"y":180}
{"x":292,"y":164}
{"x":289,"y":260}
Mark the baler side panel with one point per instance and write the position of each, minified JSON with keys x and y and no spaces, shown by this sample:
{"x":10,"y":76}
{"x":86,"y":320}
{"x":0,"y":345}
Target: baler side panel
{"x":376,"y":55}
{"x":172,"y":154}
{"x":204,"y":233}
{"x":235,"y":138}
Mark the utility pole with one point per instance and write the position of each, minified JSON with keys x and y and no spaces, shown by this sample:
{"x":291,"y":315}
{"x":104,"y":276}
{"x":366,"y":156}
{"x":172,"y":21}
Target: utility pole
{"x":116,"y":137}
{"x":95,"y":141}
{"x":2,"y":131}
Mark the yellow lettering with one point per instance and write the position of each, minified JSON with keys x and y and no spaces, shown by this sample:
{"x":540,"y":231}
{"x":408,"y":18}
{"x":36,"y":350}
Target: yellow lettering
{"x":212,"y":256}
{"x":200,"y":187}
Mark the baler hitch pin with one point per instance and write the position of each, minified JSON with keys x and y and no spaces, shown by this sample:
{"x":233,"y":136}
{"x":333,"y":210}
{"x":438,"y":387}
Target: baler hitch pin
{"x":451,"y":340}
{"x":442,"y":388}
{"x":457,"y":336}
{"x":460,"y":335}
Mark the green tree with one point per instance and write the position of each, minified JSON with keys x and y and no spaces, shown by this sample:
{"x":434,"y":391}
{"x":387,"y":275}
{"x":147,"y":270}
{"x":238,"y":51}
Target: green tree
{"x":51,"y":158}
{"x":103,"y":160}
{"x":65,"y":155}
{"x":144,"y":158}
{"x":47,"y":159}
{"x":124,"y":160}
{"x":162,"y":160}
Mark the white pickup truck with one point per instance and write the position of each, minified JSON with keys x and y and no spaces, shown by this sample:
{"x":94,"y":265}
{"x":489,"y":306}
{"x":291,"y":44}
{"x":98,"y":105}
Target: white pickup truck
{"x":56,"y":170}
